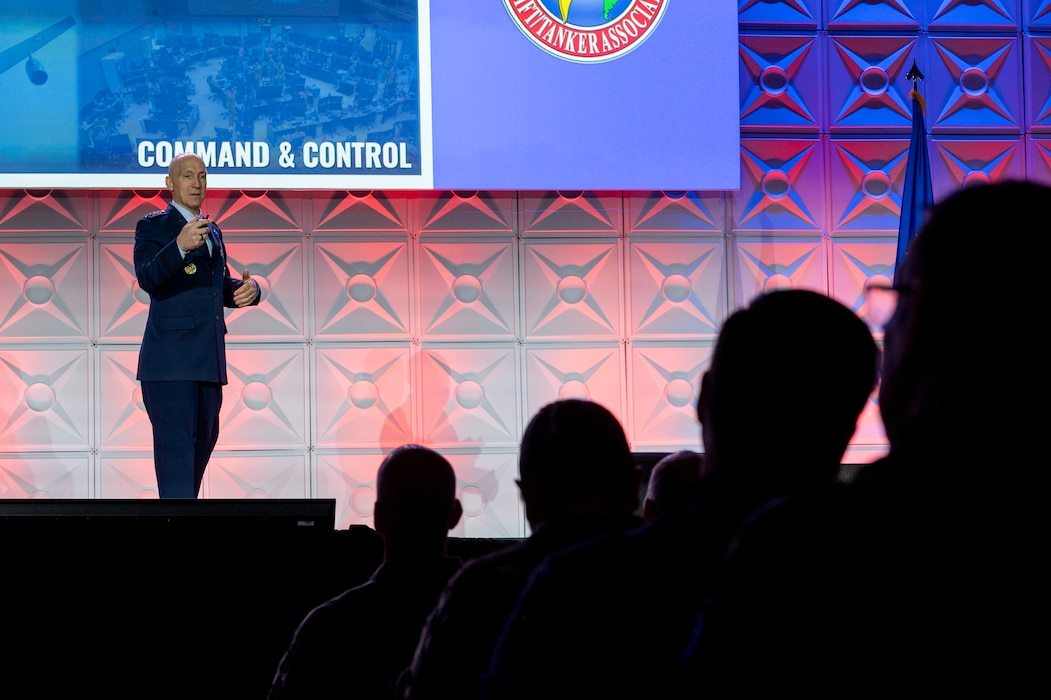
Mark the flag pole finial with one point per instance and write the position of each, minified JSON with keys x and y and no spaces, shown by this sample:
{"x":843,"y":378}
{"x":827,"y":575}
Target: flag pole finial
{"x":914,"y":74}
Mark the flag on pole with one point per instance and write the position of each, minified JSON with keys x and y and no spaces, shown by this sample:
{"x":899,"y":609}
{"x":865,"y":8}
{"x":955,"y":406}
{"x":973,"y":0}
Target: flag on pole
{"x":918,"y":193}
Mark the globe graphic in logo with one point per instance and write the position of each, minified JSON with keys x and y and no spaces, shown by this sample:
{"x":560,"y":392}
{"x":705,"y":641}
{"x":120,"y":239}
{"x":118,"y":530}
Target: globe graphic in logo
{"x":587,"y":13}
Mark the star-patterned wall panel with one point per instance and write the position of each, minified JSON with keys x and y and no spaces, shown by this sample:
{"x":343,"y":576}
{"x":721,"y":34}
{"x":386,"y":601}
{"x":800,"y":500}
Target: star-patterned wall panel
{"x":449,"y":318}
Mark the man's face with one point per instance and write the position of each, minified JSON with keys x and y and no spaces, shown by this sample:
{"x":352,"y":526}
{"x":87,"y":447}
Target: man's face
{"x":187,"y":182}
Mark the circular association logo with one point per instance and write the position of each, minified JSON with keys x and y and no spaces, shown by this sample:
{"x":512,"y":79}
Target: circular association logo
{"x":587,"y":31}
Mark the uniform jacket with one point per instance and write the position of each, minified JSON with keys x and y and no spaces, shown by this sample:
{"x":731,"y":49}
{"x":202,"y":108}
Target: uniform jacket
{"x":185,"y":330}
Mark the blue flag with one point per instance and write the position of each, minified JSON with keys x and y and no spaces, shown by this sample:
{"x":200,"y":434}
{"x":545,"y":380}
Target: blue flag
{"x":918,"y":194}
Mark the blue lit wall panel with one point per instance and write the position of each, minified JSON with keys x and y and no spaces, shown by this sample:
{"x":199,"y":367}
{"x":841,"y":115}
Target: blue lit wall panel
{"x":974,"y":83}
{"x":867,"y":177}
{"x":971,"y":15}
{"x":778,"y":90}
{"x":956,"y":162}
{"x":1038,"y":83}
{"x":1039,"y":160}
{"x":1036,"y":15}
{"x":782,"y":14}
{"x":851,"y":15}
{"x":866,"y":86}
{"x":782,"y":186}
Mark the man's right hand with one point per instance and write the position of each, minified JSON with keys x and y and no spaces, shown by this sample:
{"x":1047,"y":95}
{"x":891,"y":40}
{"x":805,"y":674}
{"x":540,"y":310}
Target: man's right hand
{"x":193,"y":234}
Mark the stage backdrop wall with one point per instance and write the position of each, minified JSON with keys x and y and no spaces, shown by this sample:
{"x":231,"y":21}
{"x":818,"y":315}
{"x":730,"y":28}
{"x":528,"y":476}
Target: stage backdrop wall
{"x":447,"y":318}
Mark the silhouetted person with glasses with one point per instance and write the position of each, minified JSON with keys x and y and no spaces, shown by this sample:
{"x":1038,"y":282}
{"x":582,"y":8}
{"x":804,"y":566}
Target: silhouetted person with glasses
{"x":920,"y":575}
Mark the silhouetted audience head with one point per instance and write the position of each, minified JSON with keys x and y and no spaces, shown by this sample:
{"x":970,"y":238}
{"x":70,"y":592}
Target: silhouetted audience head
{"x":789,"y":377}
{"x":915,"y":573}
{"x":963,"y":276}
{"x":360,"y":641}
{"x":574,"y":461}
{"x":672,"y":483}
{"x":416,"y":503}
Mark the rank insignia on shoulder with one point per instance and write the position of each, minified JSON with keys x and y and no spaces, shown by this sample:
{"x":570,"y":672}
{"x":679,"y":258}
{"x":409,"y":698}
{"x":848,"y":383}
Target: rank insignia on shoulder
{"x":190,"y":269}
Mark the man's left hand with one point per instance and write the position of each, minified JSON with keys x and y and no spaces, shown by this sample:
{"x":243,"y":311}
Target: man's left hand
{"x":247,"y":293}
